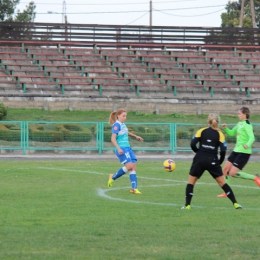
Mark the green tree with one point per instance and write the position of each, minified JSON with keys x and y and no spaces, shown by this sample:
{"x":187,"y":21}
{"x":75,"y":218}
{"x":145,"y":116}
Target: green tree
{"x":27,"y":15}
{"x":8,"y":8}
{"x":231,"y":17}
{"x":9,"y":14}
{"x":3,"y":111}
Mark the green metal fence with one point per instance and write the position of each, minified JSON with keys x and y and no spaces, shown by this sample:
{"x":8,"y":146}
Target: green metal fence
{"x":96,"y":136}
{"x":184,"y":133}
{"x":12,"y":135}
{"x":157,"y":137}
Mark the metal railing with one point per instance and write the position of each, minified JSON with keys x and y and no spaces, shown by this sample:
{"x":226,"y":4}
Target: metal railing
{"x":96,"y":137}
{"x":127,"y":34}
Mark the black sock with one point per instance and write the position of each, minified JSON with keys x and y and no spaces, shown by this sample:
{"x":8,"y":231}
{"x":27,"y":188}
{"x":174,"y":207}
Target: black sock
{"x":189,"y":193}
{"x":226,"y":188}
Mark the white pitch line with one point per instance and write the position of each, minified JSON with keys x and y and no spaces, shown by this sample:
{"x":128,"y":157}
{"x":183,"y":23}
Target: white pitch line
{"x":68,"y":170}
{"x":148,"y":178}
{"x":102,"y":193}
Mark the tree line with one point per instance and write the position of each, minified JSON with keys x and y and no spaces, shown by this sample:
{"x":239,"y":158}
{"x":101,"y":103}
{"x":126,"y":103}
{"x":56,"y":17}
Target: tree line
{"x":230,"y":18}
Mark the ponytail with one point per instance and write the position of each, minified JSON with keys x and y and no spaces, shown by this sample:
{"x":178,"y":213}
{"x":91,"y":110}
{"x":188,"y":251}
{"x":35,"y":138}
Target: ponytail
{"x":214,"y":120}
{"x":113,"y":116}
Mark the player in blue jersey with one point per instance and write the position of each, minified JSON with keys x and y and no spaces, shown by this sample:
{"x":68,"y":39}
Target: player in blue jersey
{"x":123,"y":151}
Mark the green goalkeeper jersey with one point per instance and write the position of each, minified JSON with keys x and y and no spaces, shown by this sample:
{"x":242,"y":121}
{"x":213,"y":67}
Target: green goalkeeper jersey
{"x":244,"y":135}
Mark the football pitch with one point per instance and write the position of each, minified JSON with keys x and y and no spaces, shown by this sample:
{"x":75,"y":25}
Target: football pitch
{"x":55,"y":209}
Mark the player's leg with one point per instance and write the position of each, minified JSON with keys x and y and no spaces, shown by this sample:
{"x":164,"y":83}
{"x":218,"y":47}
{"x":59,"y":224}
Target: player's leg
{"x":113,"y":177}
{"x":239,"y":164}
{"x":228,"y":191}
{"x":132,"y":172}
{"x":123,"y":160}
{"x":226,"y":171}
{"x":217,"y":174}
{"x":196,"y":171}
{"x":189,"y":191}
{"x":247,"y":176}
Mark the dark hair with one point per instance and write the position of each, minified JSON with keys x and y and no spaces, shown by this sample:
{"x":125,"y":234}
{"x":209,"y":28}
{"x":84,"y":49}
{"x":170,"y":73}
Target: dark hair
{"x":245,"y":111}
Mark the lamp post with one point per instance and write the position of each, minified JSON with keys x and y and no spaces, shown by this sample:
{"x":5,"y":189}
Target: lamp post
{"x":51,"y":12}
{"x":64,"y":20}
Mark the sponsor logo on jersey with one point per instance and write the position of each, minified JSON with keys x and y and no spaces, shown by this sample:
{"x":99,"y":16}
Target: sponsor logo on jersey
{"x":208,"y":146}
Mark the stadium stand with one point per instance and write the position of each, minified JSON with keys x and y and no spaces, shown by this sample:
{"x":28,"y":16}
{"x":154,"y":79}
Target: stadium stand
{"x":45,"y":70}
{"x":115,"y":69}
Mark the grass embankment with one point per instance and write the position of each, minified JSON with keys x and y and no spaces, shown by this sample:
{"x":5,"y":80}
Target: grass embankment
{"x":102,"y":116}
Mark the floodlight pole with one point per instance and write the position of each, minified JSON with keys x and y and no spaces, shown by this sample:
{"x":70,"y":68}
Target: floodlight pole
{"x":64,"y":12}
{"x":64,"y":19}
{"x":151,"y":13}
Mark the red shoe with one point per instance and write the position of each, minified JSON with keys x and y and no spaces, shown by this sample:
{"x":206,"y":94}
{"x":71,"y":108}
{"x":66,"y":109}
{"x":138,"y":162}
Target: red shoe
{"x":257,"y":180}
{"x":222,"y":195}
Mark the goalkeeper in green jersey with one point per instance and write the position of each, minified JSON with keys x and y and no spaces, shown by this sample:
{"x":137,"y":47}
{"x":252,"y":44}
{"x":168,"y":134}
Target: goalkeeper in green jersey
{"x":243,"y":148}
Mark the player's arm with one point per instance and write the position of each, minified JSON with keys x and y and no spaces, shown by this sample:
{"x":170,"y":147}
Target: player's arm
{"x":251,"y":136}
{"x":114,"y":142}
{"x":193,"y":144}
{"x":135,"y":136}
{"x":195,"y":139}
{"x":115,"y":130}
{"x":231,"y":132}
{"x":223,"y":147}
{"x":222,"y":153}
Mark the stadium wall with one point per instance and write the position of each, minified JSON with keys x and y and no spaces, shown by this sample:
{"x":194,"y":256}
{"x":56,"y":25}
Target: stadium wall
{"x":159,"y":106}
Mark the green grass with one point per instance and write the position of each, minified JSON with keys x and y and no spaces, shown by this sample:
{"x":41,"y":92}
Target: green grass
{"x":63,"y":210}
{"x":102,"y":116}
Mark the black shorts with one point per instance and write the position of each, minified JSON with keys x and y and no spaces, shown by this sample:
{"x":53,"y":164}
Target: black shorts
{"x":205,"y":162}
{"x":239,"y":160}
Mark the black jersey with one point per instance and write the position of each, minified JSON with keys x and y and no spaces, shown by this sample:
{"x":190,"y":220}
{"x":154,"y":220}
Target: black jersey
{"x":210,"y":141}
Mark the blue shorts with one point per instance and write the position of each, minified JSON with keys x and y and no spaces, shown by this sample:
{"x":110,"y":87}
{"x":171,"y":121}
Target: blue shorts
{"x":127,"y":156}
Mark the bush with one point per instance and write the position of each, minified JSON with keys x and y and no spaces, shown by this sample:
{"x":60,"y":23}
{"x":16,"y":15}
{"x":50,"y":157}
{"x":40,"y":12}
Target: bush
{"x":10,"y":132}
{"x":93,"y":129}
{"x":181,"y":134}
{"x":37,"y":133}
{"x":158,"y":129}
{"x":107,"y":136}
{"x":145,"y":129}
{"x":140,"y":129}
{"x":107,"y":128}
{"x":167,"y":136}
{"x":74,"y":132}
{"x":192,"y":130}
{"x":257,"y":137}
{"x":151,"y":137}
{"x":3,"y":111}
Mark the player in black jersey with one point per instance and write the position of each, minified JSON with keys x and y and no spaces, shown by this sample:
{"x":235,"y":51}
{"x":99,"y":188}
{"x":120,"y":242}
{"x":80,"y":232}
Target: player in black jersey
{"x":210,"y":140}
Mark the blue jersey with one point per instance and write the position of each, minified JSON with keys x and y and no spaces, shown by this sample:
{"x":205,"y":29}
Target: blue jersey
{"x":121,"y":132}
